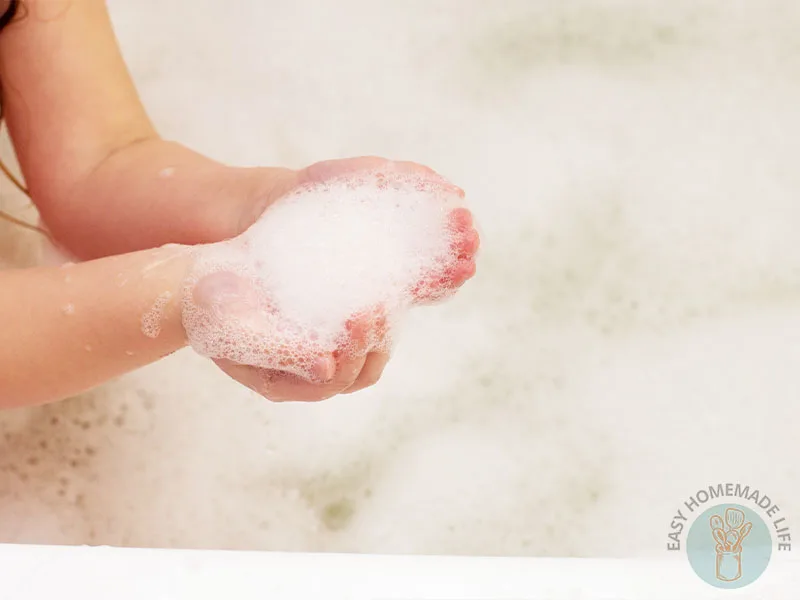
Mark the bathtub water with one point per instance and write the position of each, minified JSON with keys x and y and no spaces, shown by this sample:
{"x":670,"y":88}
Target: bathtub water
{"x":632,"y":335}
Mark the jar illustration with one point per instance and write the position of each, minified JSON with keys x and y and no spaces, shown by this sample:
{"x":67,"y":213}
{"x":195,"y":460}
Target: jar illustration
{"x":729,"y":534}
{"x":729,"y":565}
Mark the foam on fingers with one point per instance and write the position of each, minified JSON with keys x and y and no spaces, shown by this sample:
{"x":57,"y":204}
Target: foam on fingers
{"x":327,"y":271}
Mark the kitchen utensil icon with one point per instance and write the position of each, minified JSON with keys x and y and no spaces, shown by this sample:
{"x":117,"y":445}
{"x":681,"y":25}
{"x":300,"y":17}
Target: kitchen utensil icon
{"x":734,"y":518}
{"x":719,"y":535}
{"x":746,"y":528}
{"x":732,"y":538}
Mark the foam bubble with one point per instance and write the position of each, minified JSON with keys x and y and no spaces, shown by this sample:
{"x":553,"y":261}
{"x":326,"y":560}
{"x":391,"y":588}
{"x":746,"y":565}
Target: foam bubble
{"x":317,"y":258}
{"x":151,"y":320}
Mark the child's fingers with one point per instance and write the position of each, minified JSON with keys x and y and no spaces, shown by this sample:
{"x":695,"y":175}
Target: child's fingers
{"x":366,"y":331}
{"x":356,"y":368}
{"x":466,"y":246}
{"x":250,"y":377}
{"x":282,"y":382}
{"x":370,"y":373}
{"x":358,"y":329}
{"x":461,"y":219}
{"x":237,"y":318}
{"x":277,"y":386}
{"x":331,"y":169}
{"x":465,"y":243}
{"x":326,"y":170}
{"x":298,"y":358}
{"x":282,"y":386}
{"x":350,"y":367}
{"x":466,"y":240}
{"x":443,"y":282}
{"x":364,"y":367}
{"x":352,"y":353}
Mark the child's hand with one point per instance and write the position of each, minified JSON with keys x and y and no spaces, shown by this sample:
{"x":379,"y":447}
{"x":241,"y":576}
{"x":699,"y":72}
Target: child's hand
{"x":437,"y":284}
{"x":228,"y":310}
{"x":106,"y":184}
{"x":158,"y":192}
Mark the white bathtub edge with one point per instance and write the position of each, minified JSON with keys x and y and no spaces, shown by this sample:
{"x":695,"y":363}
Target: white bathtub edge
{"x":101,"y":573}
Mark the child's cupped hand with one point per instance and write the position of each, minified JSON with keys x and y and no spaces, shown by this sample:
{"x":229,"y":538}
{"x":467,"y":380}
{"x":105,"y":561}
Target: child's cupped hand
{"x":234,"y":321}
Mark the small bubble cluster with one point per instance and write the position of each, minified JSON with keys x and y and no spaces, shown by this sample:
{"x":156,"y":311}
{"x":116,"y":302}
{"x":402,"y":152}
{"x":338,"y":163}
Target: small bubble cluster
{"x":326,"y":259}
{"x":151,"y":320}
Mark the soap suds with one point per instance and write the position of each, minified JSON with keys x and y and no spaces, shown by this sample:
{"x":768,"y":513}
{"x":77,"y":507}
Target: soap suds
{"x":151,"y":320}
{"x":319,"y":258}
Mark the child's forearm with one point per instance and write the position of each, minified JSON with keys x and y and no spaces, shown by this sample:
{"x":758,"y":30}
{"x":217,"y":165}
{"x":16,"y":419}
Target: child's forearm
{"x":67,"y":95}
{"x":67,"y":329}
{"x":154,"y":193}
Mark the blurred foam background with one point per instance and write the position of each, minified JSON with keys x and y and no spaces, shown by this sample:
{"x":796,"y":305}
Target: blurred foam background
{"x":632,"y":335}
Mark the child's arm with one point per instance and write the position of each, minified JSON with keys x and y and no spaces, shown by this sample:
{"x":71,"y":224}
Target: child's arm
{"x":104,"y":182}
{"x":64,"y":330}
{"x":91,"y":158}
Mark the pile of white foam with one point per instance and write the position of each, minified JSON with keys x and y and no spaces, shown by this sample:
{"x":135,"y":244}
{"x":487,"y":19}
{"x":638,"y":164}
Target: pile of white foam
{"x":318,"y":257}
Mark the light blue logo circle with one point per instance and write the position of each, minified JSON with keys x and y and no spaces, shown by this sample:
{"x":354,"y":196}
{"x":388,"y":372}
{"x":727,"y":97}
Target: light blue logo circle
{"x":729,"y":546}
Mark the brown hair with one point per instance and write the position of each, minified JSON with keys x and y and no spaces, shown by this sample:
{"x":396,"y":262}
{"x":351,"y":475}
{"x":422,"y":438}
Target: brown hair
{"x":10,"y":13}
{"x":12,"y":10}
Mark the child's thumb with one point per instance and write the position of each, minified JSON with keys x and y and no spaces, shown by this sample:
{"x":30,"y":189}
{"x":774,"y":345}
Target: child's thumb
{"x":225,"y":294}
